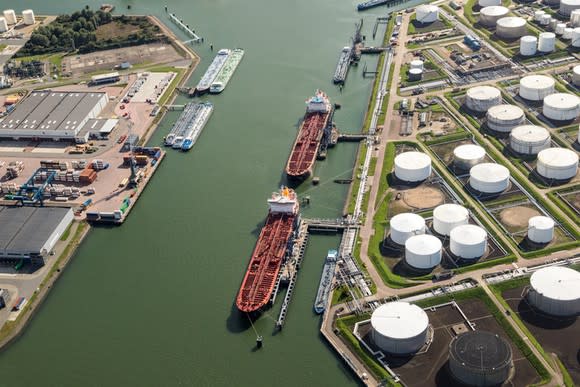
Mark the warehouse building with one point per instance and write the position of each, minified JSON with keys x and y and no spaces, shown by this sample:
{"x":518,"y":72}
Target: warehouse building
{"x":31,"y":232}
{"x":52,"y":115}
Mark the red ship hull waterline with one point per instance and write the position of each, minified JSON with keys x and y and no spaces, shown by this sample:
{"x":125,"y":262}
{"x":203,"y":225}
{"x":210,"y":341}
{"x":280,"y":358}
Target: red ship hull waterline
{"x":268,"y":255}
{"x":305,"y":149}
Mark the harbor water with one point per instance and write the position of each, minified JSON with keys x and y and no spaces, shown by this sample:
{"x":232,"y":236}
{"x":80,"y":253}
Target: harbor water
{"x":151,"y":303}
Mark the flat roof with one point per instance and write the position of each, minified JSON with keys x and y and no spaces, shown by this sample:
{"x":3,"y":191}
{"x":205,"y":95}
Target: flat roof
{"x":102,"y":125}
{"x":27,"y":229}
{"x":104,"y":76}
{"x":49,"y":110}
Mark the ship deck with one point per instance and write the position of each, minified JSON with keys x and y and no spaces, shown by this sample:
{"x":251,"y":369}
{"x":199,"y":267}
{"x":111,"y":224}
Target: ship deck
{"x":307,"y":143}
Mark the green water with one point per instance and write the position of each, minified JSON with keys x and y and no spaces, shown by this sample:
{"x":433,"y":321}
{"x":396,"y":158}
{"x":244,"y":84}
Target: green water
{"x":151,"y":303}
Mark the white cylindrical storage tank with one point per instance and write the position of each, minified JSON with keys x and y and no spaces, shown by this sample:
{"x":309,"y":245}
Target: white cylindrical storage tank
{"x":528,"y":45}
{"x":488,"y":3}
{"x":503,"y":118}
{"x":576,"y":75}
{"x":403,"y":226}
{"x":540,"y":229}
{"x":423,"y":251}
{"x":28,"y":17}
{"x":468,"y":241}
{"x":399,"y":327}
{"x":555,"y":290}
{"x":567,"y":6}
{"x":468,"y":155}
{"x":529,"y":139}
{"x":536,"y":87}
{"x":557,"y":163}
{"x":412,"y":166}
{"x":489,"y":178}
{"x":448,"y":216}
{"x":561,"y":106}
{"x":545,"y":19}
{"x":10,"y":16}
{"x":427,"y":13}
{"x":560,"y":28}
{"x":511,"y":27}
{"x":576,"y":37}
{"x":416,"y":64}
{"x":568,"y":33}
{"x":488,"y":16}
{"x":3,"y":25}
{"x":551,"y":2}
{"x":481,"y":98}
{"x":553,"y":23}
{"x":538,"y":15}
{"x":415,"y":75}
{"x":575,"y":18}
{"x":546,"y":42}
{"x":480,"y":358}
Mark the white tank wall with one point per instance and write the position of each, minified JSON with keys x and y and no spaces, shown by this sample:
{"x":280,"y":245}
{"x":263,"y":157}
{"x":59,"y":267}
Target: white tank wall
{"x":576,"y":37}
{"x":28,"y":17}
{"x":468,"y":241}
{"x":489,"y":178}
{"x":511,"y":27}
{"x":528,"y":45}
{"x":488,"y":16}
{"x":448,"y":216}
{"x":575,"y":18}
{"x":555,"y":291}
{"x":407,"y":335}
{"x":536,"y":87}
{"x":3,"y":25}
{"x":557,"y":163}
{"x":412,"y":166}
{"x":567,"y":6}
{"x":503,"y":118}
{"x":576,"y":75}
{"x":423,"y":251}
{"x":546,"y":42}
{"x":540,"y":229}
{"x":427,"y":13}
{"x":10,"y":16}
{"x":403,"y":226}
{"x":468,"y":155}
{"x":487,"y":3}
{"x":568,"y":33}
{"x":529,"y":139}
{"x":481,"y":98}
{"x":561,"y":106}
{"x":417,"y":64}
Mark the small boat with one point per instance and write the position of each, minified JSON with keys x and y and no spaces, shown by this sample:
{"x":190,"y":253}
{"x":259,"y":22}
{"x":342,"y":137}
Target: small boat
{"x":325,"y":281}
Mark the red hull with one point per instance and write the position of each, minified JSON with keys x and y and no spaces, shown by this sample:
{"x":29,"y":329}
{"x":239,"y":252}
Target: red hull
{"x":306,"y":146}
{"x":265,"y":263}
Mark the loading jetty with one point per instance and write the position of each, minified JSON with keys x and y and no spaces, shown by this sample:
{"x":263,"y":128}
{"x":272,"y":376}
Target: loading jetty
{"x":185,"y":27}
{"x":376,"y":3}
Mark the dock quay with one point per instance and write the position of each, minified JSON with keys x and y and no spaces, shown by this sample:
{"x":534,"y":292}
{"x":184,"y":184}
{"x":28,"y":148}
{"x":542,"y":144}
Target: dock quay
{"x":352,"y":137}
{"x":185,"y":27}
{"x":375,"y":3}
{"x":289,"y":274}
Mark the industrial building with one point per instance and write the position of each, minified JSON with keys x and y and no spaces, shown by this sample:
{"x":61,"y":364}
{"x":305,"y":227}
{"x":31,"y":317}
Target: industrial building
{"x":31,"y":232}
{"x":555,"y":290}
{"x":52,"y":115}
{"x":400,"y":328}
{"x":102,"y":79}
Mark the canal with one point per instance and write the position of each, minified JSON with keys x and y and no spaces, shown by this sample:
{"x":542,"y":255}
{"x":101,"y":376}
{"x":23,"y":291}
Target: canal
{"x":151,"y":303}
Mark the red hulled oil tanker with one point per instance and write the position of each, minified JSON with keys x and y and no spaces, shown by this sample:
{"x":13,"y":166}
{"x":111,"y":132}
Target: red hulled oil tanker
{"x":317,"y":119}
{"x":274,"y":241}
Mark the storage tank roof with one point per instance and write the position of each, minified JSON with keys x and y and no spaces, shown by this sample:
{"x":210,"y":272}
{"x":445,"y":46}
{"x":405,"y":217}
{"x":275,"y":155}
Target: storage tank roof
{"x":483,"y":92}
{"x":428,"y":8}
{"x":562,"y":101}
{"x":468,"y":234}
{"x":489,"y":172}
{"x":494,"y":10}
{"x":417,"y":62}
{"x":511,"y":21}
{"x":399,"y":320}
{"x":412,"y":160}
{"x":558,"y":157}
{"x":505,"y":112}
{"x":407,"y":222}
{"x":451,"y":212}
{"x":571,"y":2}
{"x":423,"y":244}
{"x":547,"y":35}
{"x":415,"y":71}
{"x":480,"y":350}
{"x":556,"y":282}
{"x":530,"y":133}
{"x":529,"y":38}
{"x":469,"y":152}
{"x":537,"y":81}
{"x":541,"y":222}
{"x":577,"y":68}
